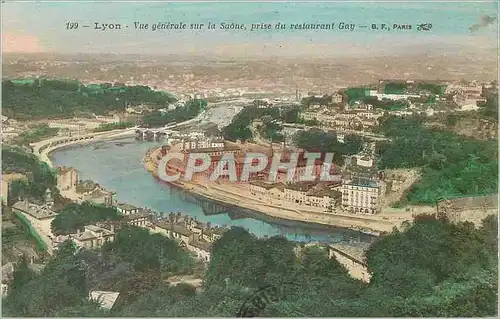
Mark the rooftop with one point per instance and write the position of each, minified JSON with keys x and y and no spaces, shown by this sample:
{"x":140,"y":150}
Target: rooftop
{"x":94,"y":228}
{"x":125,"y":206}
{"x":215,"y":230}
{"x":180,"y":229}
{"x":176,"y":228}
{"x":324,"y":192}
{"x":86,"y":186}
{"x":467,"y":203}
{"x":90,"y":233}
{"x":63,"y":169}
{"x":363,"y":182}
{"x":13,"y":176}
{"x":263,"y":184}
{"x":213,"y":149}
{"x":137,"y":216}
{"x":106,"y":299}
{"x":201,"y":244}
{"x":37,"y":211}
{"x":300,"y":186}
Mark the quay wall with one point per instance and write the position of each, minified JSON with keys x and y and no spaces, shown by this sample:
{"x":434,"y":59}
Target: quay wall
{"x":365,"y":224}
{"x":43,"y":149}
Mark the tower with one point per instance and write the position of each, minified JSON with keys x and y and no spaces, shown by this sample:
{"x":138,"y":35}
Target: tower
{"x":48,"y":198}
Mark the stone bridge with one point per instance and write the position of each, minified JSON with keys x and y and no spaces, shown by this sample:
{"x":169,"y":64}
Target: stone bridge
{"x":62,"y":141}
{"x":147,"y":133}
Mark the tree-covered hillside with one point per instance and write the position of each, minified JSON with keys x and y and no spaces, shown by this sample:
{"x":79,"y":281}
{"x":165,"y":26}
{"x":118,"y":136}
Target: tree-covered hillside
{"x":48,"y":98}
{"x":432,"y":268}
{"x":451,"y":165}
{"x":40,"y":176}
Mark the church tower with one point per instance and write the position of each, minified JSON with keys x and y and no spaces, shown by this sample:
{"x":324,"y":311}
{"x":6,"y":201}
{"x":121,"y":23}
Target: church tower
{"x":49,"y":201}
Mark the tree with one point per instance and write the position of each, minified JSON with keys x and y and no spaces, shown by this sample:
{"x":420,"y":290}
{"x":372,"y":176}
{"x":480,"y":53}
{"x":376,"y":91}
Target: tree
{"x":75,"y":217}
{"x":61,"y":284}
{"x":40,"y":176}
{"x":22,"y":274}
{"x":64,"y":99}
{"x":147,"y":251}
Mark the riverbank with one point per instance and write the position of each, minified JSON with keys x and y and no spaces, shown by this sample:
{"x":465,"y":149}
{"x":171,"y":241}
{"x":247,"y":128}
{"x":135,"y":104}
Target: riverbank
{"x":44,"y":148}
{"x":235,"y":195}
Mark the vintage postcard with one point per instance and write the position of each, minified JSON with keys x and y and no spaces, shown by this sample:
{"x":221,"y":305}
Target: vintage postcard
{"x":249,"y":159}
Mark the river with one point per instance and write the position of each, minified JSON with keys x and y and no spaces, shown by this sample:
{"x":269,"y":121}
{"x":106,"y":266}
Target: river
{"x":118,"y":167}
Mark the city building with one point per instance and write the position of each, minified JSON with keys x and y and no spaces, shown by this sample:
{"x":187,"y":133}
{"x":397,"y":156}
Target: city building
{"x":212,"y":234}
{"x":68,"y":126}
{"x":94,"y":193}
{"x":106,"y":299}
{"x":67,"y":178}
{"x":466,"y":95}
{"x":260,"y":189}
{"x":395,"y":97}
{"x":126,"y":209}
{"x":359,"y":107}
{"x":195,"y":236}
{"x":357,"y":119}
{"x":341,"y":138}
{"x":202,"y":142}
{"x":215,"y":154}
{"x":468,"y":209}
{"x":361,"y":187}
{"x":337,"y":98}
{"x":92,"y":237}
{"x":314,"y":194}
{"x":40,"y":216}
{"x":138,"y":219}
{"x":7,"y":180}
{"x":326,"y":197}
{"x":200,"y":247}
{"x":296,"y":192}
{"x":361,"y":196}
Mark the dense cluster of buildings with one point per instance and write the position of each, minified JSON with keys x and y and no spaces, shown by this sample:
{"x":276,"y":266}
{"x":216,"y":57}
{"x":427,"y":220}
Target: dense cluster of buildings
{"x":359,"y":116}
{"x":201,"y":142}
{"x":358,"y":188}
{"x":195,"y":236}
{"x":462,"y":96}
{"x":355,"y":188}
{"x":80,"y":191}
{"x":324,"y":195}
{"x":466,"y":95}
{"x":215,"y":93}
{"x":216,"y":168}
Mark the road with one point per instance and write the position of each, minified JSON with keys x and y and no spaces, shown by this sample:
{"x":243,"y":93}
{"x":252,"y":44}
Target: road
{"x":256,"y":136}
{"x":371,"y":136}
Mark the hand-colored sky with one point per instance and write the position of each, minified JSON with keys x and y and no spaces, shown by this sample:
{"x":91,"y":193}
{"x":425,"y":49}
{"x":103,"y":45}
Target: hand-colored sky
{"x":41,"y":27}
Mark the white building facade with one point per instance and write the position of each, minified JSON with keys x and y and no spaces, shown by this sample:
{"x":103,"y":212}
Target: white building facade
{"x":361,"y":196}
